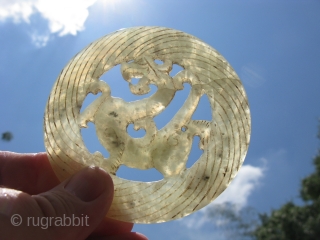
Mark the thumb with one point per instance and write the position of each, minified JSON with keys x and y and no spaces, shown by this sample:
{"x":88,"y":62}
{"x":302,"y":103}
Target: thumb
{"x":72,"y":210}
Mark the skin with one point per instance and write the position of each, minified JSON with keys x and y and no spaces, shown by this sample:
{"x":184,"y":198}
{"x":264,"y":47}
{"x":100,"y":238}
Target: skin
{"x":29,"y":187}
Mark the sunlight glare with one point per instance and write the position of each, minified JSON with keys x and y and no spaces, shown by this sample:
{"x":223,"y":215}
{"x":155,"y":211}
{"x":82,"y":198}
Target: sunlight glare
{"x":114,"y":5}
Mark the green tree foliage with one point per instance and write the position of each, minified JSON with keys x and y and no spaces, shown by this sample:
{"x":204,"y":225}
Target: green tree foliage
{"x":291,"y":221}
{"x":235,"y":223}
{"x":7,"y":136}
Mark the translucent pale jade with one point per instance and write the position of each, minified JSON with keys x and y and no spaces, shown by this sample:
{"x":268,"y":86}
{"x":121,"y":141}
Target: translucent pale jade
{"x":224,"y":140}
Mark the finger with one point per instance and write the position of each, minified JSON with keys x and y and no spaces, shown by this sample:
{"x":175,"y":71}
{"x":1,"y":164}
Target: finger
{"x":87,"y":196}
{"x":16,"y":168}
{"x":124,"y":236}
{"x":30,"y":173}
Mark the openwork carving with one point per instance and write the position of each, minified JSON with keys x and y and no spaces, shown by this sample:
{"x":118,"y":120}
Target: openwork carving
{"x":167,"y":149}
{"x":224,"y":140}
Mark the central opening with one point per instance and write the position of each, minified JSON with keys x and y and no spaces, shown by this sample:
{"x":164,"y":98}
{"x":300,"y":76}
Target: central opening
{"x":120,"y":88}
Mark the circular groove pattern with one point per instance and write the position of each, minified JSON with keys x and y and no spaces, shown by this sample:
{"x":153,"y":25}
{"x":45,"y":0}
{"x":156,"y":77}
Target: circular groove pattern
{"x":225,"y":139}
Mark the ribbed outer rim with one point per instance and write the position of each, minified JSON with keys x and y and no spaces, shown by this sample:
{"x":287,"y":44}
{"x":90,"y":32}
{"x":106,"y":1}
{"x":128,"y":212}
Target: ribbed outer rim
{"x":171,"y":198}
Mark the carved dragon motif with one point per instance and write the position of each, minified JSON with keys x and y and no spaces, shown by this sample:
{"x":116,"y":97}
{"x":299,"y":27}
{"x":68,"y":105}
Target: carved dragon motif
{"x":166,"y":149}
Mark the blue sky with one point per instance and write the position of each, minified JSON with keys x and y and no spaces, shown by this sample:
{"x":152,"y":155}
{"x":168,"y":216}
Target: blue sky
{"x":272,"y":45}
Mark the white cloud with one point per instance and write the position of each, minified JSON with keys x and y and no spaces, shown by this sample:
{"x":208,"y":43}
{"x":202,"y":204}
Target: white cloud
{"x":236,"y":194}
{"x":40,"y":40}
{"x":16,"y":10}
{"x":63,"y":16}
{"x":241,"y":187}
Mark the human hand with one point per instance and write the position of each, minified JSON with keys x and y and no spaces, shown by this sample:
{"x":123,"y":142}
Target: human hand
{"x":30,"y":191}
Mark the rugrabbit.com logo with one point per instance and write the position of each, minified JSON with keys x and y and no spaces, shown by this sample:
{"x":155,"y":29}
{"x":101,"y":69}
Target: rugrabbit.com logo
{"x":45,"y":222}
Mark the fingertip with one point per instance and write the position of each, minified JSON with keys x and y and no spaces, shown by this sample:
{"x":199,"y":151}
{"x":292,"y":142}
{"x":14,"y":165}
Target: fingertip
{"x":123,"y":236}
{"x":140,"y":236}
{"x":90,"y":183}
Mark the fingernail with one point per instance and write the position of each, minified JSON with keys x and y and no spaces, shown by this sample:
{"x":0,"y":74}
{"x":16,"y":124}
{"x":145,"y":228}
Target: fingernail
{"x":88,"y":184}
{"x":141,"y":236}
